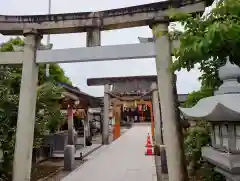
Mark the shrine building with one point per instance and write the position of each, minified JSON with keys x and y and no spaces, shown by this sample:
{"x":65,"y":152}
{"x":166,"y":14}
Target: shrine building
{"x":131,"y":96}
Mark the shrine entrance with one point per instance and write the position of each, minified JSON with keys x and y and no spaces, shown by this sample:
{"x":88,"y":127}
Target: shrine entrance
{"x":136,"y":111}
{"x":130,"y":99}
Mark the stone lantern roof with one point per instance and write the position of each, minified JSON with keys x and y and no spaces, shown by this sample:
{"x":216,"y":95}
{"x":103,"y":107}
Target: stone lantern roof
{"x":224,"y":105}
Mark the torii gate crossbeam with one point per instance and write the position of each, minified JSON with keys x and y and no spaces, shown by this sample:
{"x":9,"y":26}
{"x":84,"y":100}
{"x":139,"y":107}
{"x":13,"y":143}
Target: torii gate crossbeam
{"x":87,"y":54}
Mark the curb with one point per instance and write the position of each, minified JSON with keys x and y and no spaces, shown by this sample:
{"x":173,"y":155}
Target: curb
{"x":51,"y":175}
{"x":88,"y":153}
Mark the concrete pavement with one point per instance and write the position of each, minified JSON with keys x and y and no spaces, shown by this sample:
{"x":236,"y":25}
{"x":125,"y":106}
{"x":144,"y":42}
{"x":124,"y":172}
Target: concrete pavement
{"x":122,"y":160}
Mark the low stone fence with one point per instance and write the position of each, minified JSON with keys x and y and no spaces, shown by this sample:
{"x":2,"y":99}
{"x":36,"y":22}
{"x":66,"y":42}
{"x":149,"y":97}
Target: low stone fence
{"x":52,"y":143}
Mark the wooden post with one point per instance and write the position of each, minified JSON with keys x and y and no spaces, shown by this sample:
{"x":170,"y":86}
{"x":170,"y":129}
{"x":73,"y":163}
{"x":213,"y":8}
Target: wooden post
{"x":70,"y":123}
{"x":117,"y":126}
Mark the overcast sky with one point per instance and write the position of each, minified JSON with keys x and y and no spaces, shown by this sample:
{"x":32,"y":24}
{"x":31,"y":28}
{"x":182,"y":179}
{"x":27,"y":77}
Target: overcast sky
{"x":79,"y":72}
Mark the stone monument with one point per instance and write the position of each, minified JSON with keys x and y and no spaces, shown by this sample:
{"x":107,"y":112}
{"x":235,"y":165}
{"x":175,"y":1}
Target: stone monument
{"x":223,"y":112}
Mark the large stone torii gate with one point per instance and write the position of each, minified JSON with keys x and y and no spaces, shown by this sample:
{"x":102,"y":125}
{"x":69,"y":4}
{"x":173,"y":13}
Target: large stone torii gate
{"x":33,"y":27}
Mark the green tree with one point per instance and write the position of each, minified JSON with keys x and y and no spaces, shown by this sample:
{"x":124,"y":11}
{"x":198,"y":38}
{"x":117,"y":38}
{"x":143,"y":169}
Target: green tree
{"x":196,"y":137}
{"x":195,"y":96}
{"x":48,"y":114}
{"x":56,"y":72}
{"x":8,"y":119}
{"x":207,"y":41}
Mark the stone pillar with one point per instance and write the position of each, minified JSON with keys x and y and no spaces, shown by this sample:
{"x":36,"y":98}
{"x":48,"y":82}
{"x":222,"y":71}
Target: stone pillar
{"x":105,"y":133}
{"x":26,"y":111}
{"x":160,"y":157}
{"x":179,"y":125}
{"x":156,"y":114}
{"x":69,"y":151}
{"x":93,"y":37}
{"x":157,"y":127}
{"x":165,"y":90}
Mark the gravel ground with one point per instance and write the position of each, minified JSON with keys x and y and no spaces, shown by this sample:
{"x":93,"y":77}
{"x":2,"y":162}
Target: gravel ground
{"x":61,"y":173}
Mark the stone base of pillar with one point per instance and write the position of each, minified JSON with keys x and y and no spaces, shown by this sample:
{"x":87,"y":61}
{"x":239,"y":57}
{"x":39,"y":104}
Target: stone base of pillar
{"x":158,"y":167}
{"x":157,"y":150}
{"x":106,"y":140}
{"x":164,"y":177}
{"x":69,"y":157}
{"x":164,"y":161}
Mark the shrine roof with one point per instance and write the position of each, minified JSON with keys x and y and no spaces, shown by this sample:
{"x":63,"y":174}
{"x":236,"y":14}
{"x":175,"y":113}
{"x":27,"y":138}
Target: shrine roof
{"x":77,"y":92}
{"x":110,"y":80}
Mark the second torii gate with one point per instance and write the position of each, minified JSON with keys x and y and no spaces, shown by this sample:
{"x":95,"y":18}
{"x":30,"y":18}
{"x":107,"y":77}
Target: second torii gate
{"x":127,"y":89}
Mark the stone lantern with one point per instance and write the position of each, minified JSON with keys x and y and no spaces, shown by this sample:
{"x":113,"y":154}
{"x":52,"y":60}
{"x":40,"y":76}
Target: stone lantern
{"x":223,"y":112}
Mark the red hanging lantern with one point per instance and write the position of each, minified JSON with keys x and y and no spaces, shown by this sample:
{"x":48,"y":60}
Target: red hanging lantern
{"x":139,"y":107}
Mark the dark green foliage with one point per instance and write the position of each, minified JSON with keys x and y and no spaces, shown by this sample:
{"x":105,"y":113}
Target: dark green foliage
{"x":8,"y":119}
{"x":208,"y":173}
{"x":205,"y":43}
{"x":195,"y":138}
{"x":48,"y":115}
{"x":195,"y":96}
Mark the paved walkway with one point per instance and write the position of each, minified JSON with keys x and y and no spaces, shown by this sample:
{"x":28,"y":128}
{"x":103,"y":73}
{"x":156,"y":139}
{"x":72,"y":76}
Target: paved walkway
{"x":123,"y":160}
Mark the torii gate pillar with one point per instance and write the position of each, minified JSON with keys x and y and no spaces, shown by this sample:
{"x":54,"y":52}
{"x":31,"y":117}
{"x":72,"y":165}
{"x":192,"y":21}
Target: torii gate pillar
{"x":165,"y":91}
{"x":160,"y":154}
{"x":105,"y":131}
{"x":27,"y":107}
